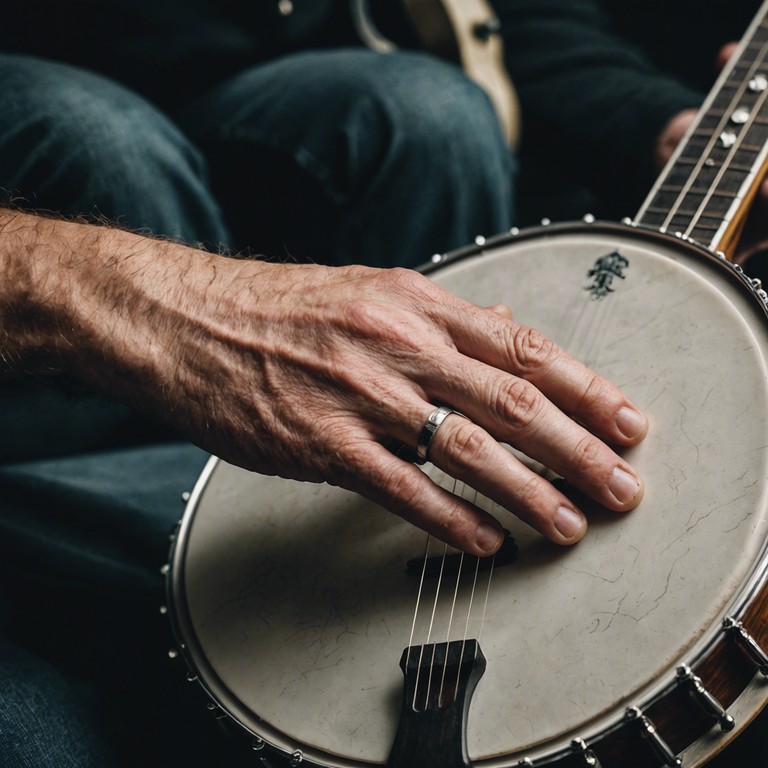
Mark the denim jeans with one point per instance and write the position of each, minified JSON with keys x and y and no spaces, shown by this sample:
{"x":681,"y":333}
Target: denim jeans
{"x":340,"y":156}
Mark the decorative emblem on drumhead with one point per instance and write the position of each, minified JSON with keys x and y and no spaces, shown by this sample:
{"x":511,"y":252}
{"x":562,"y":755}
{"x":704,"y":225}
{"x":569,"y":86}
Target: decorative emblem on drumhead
{"x":603,"y":272}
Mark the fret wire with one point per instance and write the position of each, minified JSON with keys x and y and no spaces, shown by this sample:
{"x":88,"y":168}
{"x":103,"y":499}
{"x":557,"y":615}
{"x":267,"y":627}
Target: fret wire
{"x":714,"y":137}
{"x":734,"y":149}
{"x":726,"y":81}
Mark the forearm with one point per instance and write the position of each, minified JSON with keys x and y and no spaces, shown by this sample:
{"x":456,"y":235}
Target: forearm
{"x":41,"y":307}
{"x":87,"y":302}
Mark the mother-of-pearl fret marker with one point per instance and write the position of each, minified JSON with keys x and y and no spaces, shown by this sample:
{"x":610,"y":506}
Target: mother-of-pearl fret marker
{"x":740,"y":116}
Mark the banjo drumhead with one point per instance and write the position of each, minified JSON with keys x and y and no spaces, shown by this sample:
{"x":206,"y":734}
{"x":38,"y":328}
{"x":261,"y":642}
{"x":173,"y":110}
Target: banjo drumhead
{"x":293,"y":604}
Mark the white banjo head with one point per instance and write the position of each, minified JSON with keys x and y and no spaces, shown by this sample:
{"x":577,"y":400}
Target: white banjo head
{"x":292,"y":602}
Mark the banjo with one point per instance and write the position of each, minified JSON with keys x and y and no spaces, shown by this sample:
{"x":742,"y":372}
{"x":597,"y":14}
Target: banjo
{"x":646,"y":644}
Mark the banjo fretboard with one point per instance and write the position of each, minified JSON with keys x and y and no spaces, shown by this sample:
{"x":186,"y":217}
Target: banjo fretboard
{"x":705,"y":190}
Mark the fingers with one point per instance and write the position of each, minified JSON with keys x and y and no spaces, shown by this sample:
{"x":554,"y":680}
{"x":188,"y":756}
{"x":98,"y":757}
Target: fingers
{"x":472,"y":454}
{"x":518,"y":387}
{"x":467,"y":452}
{"x":404,"y":489}
{"x":671,"y":135}
{"x":500,"y":401}
{"x":724,"y":54}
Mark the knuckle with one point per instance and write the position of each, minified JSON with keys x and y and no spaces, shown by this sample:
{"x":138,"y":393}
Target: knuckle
{"x":532,"y":349}
{"x":408,"y":281}
{"x":449,"y":521}
{"x":363,"y":314}
{"x":596,"y":393}
{"x":465,"y":446}
{"x":586,"y":455}
{"x":378,"y":322}
{"x":403,"y":485}
{"x":518,"y":403}
{"x":531,"y":497}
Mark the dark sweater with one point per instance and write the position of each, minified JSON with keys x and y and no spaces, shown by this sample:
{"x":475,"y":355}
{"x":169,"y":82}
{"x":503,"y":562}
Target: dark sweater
{"x":599,"y":79}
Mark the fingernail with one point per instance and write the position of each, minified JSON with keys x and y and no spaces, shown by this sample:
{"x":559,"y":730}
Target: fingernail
{"x":488,"y":537}
{"x":568,"y":522}
{"x":623,"y":485}
{"x":631,"y":423}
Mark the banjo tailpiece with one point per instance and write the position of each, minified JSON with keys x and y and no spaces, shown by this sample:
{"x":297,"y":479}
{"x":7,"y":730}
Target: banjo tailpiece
{"x":439,"y":681}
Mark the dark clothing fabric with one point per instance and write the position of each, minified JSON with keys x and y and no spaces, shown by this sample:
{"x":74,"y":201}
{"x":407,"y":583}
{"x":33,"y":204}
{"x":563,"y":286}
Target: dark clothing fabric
{"x":598,"y":80}
{"x":171,"y":50}
{"x":584,"y":69}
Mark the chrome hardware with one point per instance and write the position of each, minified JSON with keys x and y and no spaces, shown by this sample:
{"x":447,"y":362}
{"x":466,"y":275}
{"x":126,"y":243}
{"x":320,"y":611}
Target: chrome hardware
{"x":514,"y":231}
{"x":628,"y":222}
{"x":285,"y":7}
{"x":721,"y":255}
{"x":587,"y":756}
{"x":658,"y":745}
{"x":589,"y":218}
{"x":297,"y":757}
{"x":757,"y":283}
{"x":747,"y":643}
{"x":436,"y":258}
{"x":546,"y":222}
{"x":479,"y":240}
{"x":257,"y":744}
{"x":164,"y":570}
{"x":163,"y":610}
{"x":191,"y":677}
{"x":185,"y":496}
{"x":704,"y":698}
{"x":173,"y":654}
{"x":526,"y":761}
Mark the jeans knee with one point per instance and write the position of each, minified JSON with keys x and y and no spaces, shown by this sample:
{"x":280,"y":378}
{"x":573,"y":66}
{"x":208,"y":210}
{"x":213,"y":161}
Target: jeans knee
{"x":78,"y":143}
{"x":432,"y":114}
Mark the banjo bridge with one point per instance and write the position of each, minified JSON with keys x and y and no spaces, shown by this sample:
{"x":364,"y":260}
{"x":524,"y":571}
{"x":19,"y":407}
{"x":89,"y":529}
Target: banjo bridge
{"x":439,"y":681}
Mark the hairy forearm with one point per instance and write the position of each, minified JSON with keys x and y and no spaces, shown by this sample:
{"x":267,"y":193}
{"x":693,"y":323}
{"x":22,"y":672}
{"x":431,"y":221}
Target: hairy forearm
{"x":86,"y":301}
{"x":313,"y":372}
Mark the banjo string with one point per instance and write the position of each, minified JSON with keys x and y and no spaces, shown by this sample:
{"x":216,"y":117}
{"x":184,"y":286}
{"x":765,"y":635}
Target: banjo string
{"x":450,"y":624}
{"x":758,"y":62}
{"x":451,"y":616}
{"x":429,"y":635}
{"x":418,"y":599}
{"x":728,"y":161}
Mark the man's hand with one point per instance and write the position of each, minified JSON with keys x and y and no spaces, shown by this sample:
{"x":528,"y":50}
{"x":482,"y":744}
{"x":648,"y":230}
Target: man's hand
{"x":319,"y":373}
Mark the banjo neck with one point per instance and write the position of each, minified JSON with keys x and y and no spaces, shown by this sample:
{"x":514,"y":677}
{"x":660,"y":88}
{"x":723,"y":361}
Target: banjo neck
{"x":705,"y":190}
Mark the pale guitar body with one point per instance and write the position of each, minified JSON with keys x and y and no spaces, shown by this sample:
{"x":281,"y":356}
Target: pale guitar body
{"x":462,"y":31}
